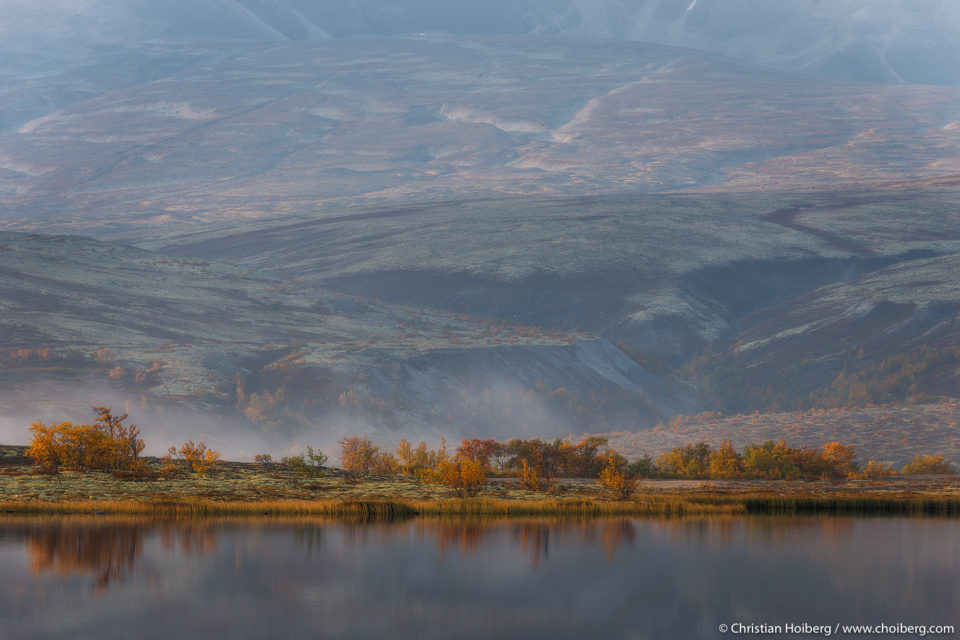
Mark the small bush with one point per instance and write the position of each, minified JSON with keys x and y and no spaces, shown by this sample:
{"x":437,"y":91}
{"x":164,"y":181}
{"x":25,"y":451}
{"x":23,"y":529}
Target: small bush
{"x":384,"y":464}
{"x":196,"y":456}
{"x":263,"y":459}
{"x":621,"y":485}
{"x":923,"y":465}
{"x":642,"y":468}
{"x":533,"y":478}
{"x":310,"y":463}
{"x":466,"y":476}
{"x":874,"y":469}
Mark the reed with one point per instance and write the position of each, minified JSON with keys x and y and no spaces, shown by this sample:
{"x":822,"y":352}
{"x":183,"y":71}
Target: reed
{"x":898,"y":505}
{"x":395,"y":509}
{"x":378,"y":509}
{"x":200,"y":508}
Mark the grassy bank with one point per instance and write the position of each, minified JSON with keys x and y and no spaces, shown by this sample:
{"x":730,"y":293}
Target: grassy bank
{"x":378,"y":509}
{"x":386,"y":509}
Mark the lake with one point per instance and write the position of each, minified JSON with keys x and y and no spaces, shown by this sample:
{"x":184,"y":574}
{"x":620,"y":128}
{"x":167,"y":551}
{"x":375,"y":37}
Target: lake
{"x":90,"y":577}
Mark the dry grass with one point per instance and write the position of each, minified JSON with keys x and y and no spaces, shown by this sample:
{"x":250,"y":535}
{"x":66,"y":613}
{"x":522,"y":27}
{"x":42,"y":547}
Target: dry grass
{"x":388,"y":509}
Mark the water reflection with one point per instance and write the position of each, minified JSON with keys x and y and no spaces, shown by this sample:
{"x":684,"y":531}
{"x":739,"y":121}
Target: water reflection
{"x":105,"y":548}
{"x":107,"y":551}
{"x":533,"y":535}
{"x":618,"y":534}
{"x":97,"y":577}
{"x":534,"y":539}
{"x":463,"y":536}
{"x":189,"y":538}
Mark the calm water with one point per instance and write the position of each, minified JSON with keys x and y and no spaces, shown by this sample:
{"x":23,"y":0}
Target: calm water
{"x":114,"y":578}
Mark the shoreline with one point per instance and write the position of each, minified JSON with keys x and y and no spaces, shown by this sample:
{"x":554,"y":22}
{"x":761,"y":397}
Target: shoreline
{"x":664,"y":505}
{"x":251,"y":490}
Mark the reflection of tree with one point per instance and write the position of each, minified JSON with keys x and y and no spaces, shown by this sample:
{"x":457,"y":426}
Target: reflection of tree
{"x":617,"y":534}
{"x":192,"y":539}
{"x":533,"y":535}
{"x":465,"y":535}
{"x":535,"y":538}
{"x":311,"y":538}
{"x":107,"y":551}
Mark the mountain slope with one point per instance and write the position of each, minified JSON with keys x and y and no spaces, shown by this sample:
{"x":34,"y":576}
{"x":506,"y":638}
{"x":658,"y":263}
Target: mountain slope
{"x":886,"y":336}
{"x":309,"y":125}
{"x":666,"y":275}
{"x":81,"y":320}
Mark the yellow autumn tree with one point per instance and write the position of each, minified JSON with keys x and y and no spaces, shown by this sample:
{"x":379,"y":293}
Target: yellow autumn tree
{"x":464,"y":475}
{"x":621,"y":485}
{"x":105,"y":445}
{"x":725,"y":463}
{"x":842,"y":457}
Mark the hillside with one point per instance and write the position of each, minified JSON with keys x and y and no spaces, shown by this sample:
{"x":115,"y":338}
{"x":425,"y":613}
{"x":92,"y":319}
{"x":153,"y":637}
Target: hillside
{"x":84,"y":322}
{"x":663,"y":277}
{"x":379,"y":122}
{"x":891,"y":434}
{"x":311,"y":218}
{"x":882,"y":337}
{"x":499,"y":318}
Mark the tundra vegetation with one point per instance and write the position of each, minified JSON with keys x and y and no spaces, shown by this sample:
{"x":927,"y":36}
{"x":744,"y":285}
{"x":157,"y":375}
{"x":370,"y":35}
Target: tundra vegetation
{"x":305,"y":463}
{"x":480,"y":476}
{"x":537,"y":464}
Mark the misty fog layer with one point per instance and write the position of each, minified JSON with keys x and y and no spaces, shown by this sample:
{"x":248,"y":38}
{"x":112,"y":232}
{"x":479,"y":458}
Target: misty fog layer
{"x":875,"y":40}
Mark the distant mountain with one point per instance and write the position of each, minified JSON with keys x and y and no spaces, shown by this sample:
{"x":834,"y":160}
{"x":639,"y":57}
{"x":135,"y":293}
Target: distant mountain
{"x":497,"y":219}
{"x":399,"y":120}
{"x":913,"y":41}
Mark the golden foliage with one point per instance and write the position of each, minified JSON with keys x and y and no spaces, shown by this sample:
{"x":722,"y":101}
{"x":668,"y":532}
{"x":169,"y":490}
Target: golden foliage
{"x":532,"y":477}
{"x":466,"y":476}
{"x":617,"y":482}
{"x":874,"y":469}
{"x":106,"y":445}
{"x":841,"y":456}
{"x":384,"y":464}
{"x":361,"y":455}
{"x":357,"y":454}
{"x":928,"y":465}
{"x":420,"y":462}
{"x":196,"y":456}
{"x":725,"y":462}
{"x":690,"y":461}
